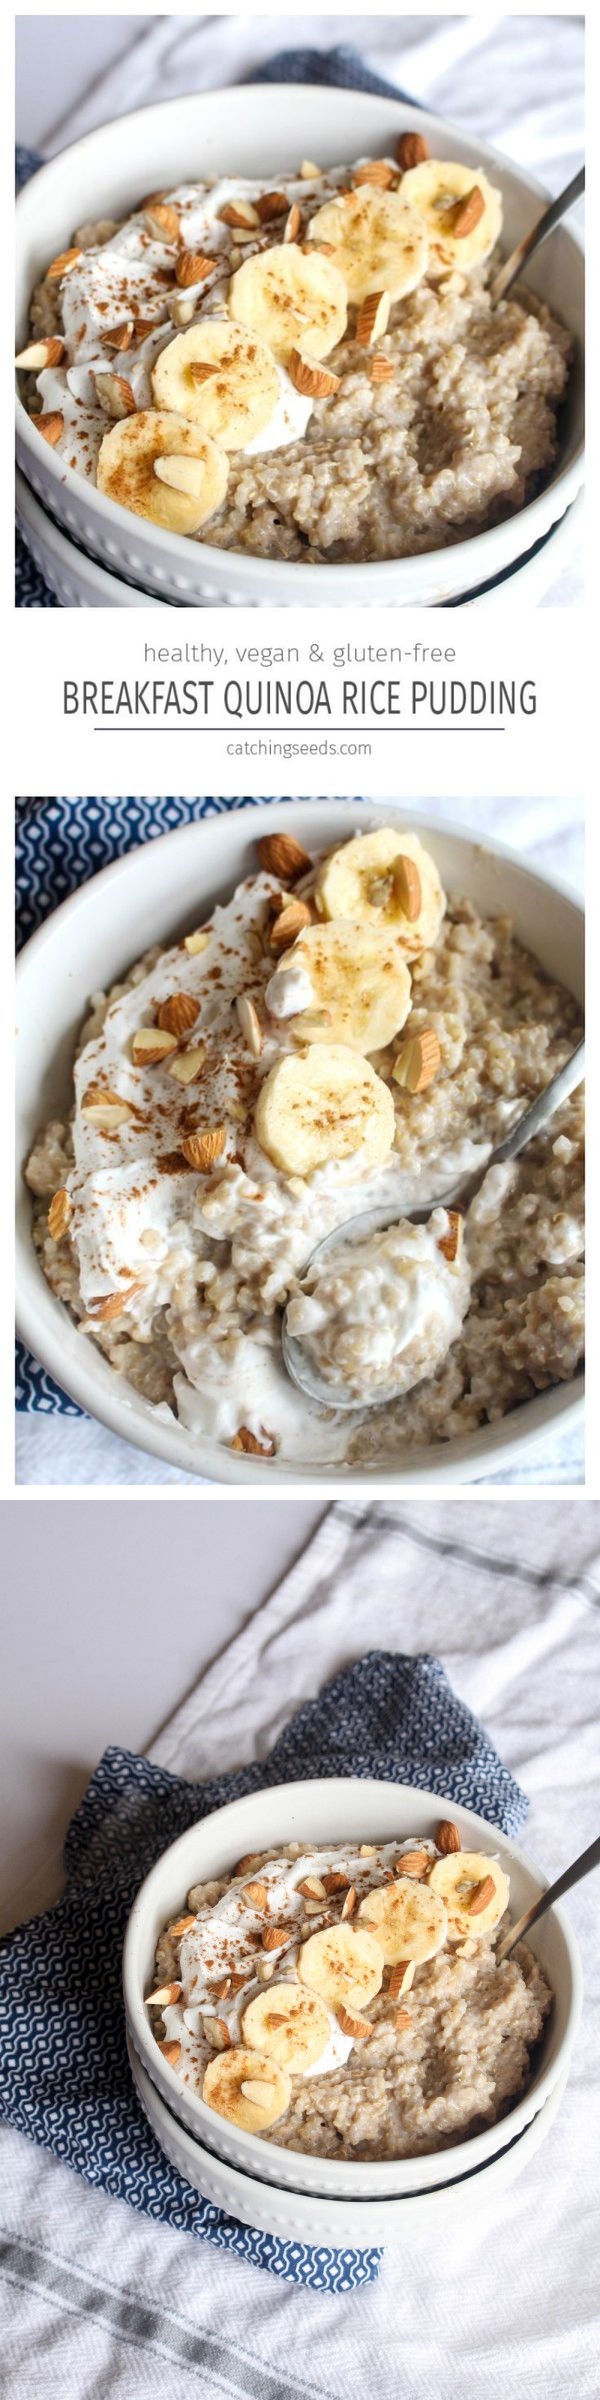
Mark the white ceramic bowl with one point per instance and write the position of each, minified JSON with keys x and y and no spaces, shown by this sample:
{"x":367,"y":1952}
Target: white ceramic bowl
{"x":467,"y":2205}
{"x":79,"y":581}
{"x":333,"y":1810}
{"x":261,"y":130}
{"x":150,"y":896}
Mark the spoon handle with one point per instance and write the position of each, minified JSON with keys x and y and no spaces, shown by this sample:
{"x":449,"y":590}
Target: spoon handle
{"x":531,"y":241}
{"x":581,"y":1866}
{"x":543,"y":1108}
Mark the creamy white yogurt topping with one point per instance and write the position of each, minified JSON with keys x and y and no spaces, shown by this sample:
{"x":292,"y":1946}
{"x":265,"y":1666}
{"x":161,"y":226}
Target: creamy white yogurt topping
{"x":377,"y":1315}
{"x":125,"y":276}
{"x":225,"y":1940}
{"x":289,"y":991}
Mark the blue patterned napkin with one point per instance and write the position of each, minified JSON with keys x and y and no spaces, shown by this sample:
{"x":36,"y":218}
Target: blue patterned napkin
{"x":60,"y":843}
{"x":64,"y":2073}
{"x":341,"y":67}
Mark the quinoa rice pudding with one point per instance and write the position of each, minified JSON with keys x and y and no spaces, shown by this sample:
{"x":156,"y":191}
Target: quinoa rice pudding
{"x":348,"y":2001}
{"x":309,"y":373}
{"x":339,"y":1036}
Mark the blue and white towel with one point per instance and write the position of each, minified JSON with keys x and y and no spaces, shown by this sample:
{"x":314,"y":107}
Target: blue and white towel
{"x":64,"y":2073}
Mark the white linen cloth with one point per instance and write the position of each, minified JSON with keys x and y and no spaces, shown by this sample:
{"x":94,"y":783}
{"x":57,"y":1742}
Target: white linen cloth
{"x":89,"y":2304}
{"x":517,"y":81}
{"x":74,"y":1451}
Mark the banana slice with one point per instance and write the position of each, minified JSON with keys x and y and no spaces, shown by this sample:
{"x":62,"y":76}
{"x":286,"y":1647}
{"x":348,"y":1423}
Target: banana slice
{"x":291,"y":299}
{"x":288,"y":2024}
{"x":461,"y":211}
{"x":461,"y":1881}
{"x":361,"y":985}
{"x":380,"y":244}
{"x":326,"y":1103}
{"x":386,"y":879}
{"x":134,"y":451}
{"x":407,"y":1919}
{"x":221,"y":378}
{"x":251,"y":2091}
{"x":342,"y":1965}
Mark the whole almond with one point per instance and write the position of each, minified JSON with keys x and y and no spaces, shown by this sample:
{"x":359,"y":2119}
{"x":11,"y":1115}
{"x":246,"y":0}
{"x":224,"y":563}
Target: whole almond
{"x":466,"y":214}
{"x":178,"y":1013}
{"x":377,"y":171}
{"x":418,"y":1061}
{"x":257,"y":1894}
{"x":480,"y":1898}
{"x":58,"y":1215}
{"x":411,"y":150}
{"x":358,"y":2027}
{"x":281,"y":855}
{"x":201,"y":1149}
{"x":450,"y":1242}
{"x":62,"y":265}
{"x":50,"y":425}
{"x":447,"y":1837}
{"x":45,"y":353}
{"x":373,"y":319}
{"x":290,"y":922}
{"x":245,"y":1440}
{"x":407,"y":887}
{"x":313,"y":380}
{"x":413,"y":1862}
{"x":193,"y":267}
{"x":163,"y":222}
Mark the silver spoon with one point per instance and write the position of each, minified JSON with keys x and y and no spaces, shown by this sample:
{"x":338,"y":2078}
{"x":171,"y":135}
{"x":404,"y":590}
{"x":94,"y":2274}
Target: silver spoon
{"x":550,"y":217}
{"x":581,"y":1866}
{"x":375,"y":1220}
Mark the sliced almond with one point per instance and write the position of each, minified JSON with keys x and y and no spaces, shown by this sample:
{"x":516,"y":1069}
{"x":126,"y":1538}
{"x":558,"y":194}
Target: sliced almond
{"x":250,"y":1024}
{"x":309,"y":377}
{"x":201,"y":1149}
{"x":163,"y":222}
{"x":373,"y":319}
{"x":450,"y":1242}
{"x":120,"y":336}
{"x":465,"y":214}
{"x":418,"y":1061}
{"x":171,"y":2051}
{"x":58,"y":1215}
{"x":189,"y":1063}
{"x":103,"y":1311}
{"x":275,"y":1936}
{"x":240,"y":212}
{"x":403,"y":2020}
{"x":181,"y":474}
{"x":46,"y":353}
{"x":257,"y":2093}
{"x":377,"y":171}
{"x":178,"y":1013}
{"x":411,"y":150}
{"x":51,"y":424}
{"x":312,"y":1888}
{"x":143,"y":326}
{"x":382,"y":370}
{"x":480,"y":1898}
{"x":257,"y":1894}
{"x":62,"y":265}
{"x":115,"y":394}
{"x":293,"y":223}
{"x":281,"y":855}
{"x":193,"y":266}
{"x":196,"y":942}
{"x":447,"y":1837}
{"x":245,"y":1440}
{"x":288,"y":925}
{"x":335,"y":1881}
{"x":413,"y":1862}
{"x":149,"y":1046}
{"x":272,"y":204}
{"x":104,"y":1108}
{"x":164,"y":1997}
{"x":350,"y":2022}
{"x":407,"y":887}
{"x":182,"y":1925}
{"x":350,"y":1902}
{"x":401,"y":1977}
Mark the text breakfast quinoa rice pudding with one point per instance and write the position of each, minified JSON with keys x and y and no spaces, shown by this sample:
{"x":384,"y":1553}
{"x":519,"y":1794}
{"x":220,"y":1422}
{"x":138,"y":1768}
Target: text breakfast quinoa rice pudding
{"x":337,"y":1037}
{"x":349,"y":2001}
{"x":313,"y":372}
